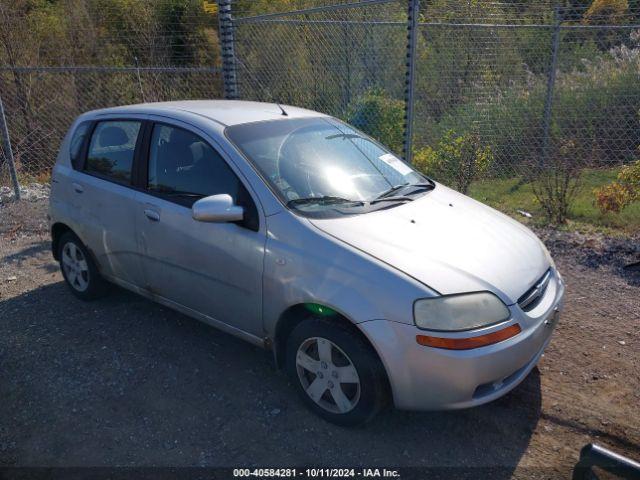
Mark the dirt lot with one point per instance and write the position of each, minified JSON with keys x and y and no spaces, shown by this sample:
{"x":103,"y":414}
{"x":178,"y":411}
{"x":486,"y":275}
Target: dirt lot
{"x":123,"y":381}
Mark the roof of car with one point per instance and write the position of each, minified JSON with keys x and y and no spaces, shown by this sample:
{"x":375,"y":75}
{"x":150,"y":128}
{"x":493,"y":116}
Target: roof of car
{"x":226,"y":112}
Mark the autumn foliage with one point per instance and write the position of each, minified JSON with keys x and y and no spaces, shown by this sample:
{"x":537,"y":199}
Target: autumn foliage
{"x":622,"y":192}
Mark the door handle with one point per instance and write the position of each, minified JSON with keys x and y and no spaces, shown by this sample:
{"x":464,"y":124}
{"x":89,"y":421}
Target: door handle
{"x":152,"y":215}
{"x":77,"y":187}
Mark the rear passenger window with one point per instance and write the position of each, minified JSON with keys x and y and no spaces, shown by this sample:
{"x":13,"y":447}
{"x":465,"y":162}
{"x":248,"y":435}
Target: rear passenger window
{"x":112,"y":148}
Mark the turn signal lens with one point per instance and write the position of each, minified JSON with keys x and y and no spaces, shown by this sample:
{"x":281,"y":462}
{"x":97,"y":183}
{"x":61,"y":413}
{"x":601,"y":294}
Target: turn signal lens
{"x":469,"y":342}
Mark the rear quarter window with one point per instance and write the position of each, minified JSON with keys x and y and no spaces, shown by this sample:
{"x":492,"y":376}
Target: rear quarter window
{"x":77,"y":141}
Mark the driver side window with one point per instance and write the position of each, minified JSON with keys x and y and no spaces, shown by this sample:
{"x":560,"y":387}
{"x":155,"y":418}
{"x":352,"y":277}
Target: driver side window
{"x":184,"y":167}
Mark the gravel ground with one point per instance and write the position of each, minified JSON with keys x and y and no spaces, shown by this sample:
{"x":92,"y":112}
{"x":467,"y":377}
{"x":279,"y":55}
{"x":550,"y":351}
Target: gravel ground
{"x":123,"y":381}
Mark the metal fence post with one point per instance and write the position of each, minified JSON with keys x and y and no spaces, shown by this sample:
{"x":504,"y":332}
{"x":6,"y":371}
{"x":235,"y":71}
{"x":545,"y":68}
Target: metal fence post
{"x":8,"y":151}
{"x":551,"y":81}
{"x":227,"y":47}
{"x":413,"y":10}
{"x":144,"y":100}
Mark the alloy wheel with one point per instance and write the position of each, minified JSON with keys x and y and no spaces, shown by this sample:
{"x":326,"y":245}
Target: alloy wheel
{"x":75,"y":267}
{"x":328,"y":375}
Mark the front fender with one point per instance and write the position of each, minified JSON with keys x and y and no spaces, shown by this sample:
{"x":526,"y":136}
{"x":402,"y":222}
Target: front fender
{"x":305,"y":265}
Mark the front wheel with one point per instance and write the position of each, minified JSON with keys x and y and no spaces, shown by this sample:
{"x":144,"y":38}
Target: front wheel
{"x":336,"y":372}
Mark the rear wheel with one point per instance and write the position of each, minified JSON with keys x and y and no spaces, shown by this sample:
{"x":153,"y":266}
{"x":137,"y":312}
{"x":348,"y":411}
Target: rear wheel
{"x":336,"y":372}
{"x":78,"y":268}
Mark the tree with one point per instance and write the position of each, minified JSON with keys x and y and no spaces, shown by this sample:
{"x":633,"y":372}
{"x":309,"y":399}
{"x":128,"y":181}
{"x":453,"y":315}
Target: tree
{"x":607,"y":12}
{"x":28,"y":31}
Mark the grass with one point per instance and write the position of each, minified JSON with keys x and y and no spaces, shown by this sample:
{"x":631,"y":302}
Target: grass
{"x":583,"y":216}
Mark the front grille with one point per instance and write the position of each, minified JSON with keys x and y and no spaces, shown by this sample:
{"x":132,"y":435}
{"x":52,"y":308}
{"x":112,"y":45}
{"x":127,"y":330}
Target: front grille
{"x":533,"y":296}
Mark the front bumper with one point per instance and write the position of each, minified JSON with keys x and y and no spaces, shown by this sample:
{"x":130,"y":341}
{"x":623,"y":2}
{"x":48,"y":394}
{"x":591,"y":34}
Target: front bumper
{"x":425,"y":378}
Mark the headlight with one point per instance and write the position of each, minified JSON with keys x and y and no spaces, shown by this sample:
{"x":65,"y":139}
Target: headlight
{"x":459,"y":312}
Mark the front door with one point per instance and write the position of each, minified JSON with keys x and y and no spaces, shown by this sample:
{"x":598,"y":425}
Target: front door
{"x":212,"y":268}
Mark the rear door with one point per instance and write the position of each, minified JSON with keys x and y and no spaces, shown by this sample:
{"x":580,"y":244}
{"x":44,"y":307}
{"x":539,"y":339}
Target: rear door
{"x":103,"y":197}
{"x":214,"y":269}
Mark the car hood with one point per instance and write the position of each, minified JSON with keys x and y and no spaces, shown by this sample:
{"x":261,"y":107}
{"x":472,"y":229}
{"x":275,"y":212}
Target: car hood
{"x":449,"y":242}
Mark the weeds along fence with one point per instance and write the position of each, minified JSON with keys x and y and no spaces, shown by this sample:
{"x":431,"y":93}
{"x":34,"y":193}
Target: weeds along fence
{"x":40,"y":103}
{"x":465,"y":90}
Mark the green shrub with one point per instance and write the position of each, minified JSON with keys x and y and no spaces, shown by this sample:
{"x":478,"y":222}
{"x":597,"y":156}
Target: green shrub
{"x":457,"y":159}
{"x":511,"y":126}
{"x":622,"y":192}
{"x":557,"y":183}
{"x":380,"y":116}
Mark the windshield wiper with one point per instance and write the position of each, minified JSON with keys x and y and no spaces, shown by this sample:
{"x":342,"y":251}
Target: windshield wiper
{"x":428,"y":185}
{"x":391,"y":199}
{"x":387,"y":195}
{"x":418,"y":186}
{"x":392,"y":190}
{"x":343,"y":136}
{"x":324,"y":200}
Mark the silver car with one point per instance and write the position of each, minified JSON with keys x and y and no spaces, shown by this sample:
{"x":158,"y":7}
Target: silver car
{"x":369,"y":282}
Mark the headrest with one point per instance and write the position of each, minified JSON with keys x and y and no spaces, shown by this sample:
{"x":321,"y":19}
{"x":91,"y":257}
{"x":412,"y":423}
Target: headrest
{"x":198,"y":150}
{"x":113,"y":137}
{"x":180,"y":137}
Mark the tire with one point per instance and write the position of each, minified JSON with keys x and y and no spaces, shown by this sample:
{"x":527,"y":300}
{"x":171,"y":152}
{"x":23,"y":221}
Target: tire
{"x":351,"y":402}
{"x":78,"y":269}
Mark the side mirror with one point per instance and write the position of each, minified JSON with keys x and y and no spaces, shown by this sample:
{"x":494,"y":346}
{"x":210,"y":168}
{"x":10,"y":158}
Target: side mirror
{"x":217,"y":208}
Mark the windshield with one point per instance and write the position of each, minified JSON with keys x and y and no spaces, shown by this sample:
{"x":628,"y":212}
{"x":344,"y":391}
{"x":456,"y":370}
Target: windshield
{"x":318,"y":164}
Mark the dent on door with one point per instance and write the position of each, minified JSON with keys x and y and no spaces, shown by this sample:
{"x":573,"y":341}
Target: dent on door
{"x":108,"y":226}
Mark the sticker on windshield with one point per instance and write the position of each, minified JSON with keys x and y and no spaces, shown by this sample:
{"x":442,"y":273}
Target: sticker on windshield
{"x":395,"y":163}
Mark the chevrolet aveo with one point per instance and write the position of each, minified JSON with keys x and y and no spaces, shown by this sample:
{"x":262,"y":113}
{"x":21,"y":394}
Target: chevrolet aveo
{"x":369,"y":282}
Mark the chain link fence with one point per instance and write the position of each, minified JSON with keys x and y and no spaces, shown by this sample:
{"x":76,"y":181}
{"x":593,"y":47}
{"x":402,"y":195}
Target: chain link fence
{"x":531,"y":96}
{"x":60,"y":59}
{"x":346,"y":60}
{"x":510,"y":91}
{"x":469,"y":91}
{"x":40,"y":104}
